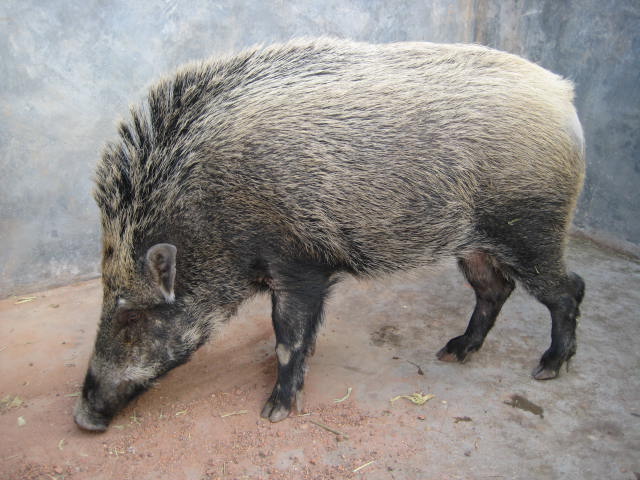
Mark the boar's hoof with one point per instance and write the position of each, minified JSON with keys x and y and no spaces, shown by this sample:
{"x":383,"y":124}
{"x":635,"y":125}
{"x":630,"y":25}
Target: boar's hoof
{"x":551,"y":363}
{"x":447,"y":356}
{"x":275,"y":413}
{"x":456,"y":350}
{"x":544,"y":373}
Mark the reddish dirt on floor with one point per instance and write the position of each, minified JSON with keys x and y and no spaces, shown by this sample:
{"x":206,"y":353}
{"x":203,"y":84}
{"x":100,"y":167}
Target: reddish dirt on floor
{"x":200,"y":422}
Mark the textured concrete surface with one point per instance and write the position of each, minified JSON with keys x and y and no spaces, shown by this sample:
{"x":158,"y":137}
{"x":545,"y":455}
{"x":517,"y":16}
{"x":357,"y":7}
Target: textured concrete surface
{"x":71,"y":68}
{"x":376,"y":336}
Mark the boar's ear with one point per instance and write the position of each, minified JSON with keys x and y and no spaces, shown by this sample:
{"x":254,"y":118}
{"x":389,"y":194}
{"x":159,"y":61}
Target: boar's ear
{"x":161,"y":262}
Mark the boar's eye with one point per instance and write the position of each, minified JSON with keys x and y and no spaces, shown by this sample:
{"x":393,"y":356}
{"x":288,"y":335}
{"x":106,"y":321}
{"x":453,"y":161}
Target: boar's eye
{"x":128,"y":324}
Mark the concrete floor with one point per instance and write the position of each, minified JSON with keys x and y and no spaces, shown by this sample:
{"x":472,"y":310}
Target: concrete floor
{"x":376,"y":337}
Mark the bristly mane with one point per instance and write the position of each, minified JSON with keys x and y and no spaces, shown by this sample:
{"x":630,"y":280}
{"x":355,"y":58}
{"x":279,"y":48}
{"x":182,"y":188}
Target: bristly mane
{"x":150,"y":168}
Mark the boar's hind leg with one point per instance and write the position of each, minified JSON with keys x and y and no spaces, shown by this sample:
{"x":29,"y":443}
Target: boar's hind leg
{"x":297,"y":298}
{"x":535,"y":257}
{"x":492,"y":287}
{"x":562,"y":294}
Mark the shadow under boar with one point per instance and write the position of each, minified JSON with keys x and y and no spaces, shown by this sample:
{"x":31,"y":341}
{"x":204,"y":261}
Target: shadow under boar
{"x":278,"y":169}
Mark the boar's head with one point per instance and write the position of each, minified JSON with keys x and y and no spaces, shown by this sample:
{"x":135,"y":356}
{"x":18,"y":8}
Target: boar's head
{"x":143,"y":333}
{"x":156,"y":258}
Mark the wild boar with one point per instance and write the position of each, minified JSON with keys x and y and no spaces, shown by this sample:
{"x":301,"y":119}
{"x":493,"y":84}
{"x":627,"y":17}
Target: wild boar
{"x":281,"y":168}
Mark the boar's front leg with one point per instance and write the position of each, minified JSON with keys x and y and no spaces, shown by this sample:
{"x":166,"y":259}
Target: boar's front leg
{"x":297,"y":295}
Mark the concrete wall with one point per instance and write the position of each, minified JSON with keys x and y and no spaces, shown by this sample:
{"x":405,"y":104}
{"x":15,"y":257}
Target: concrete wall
{"x":69,"y":70}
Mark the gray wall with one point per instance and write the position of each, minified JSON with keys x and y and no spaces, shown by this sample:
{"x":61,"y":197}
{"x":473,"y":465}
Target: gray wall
{"x":69,"y":70}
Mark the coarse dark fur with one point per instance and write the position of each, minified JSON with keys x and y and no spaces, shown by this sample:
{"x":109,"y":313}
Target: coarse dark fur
{"x":279,"y":168}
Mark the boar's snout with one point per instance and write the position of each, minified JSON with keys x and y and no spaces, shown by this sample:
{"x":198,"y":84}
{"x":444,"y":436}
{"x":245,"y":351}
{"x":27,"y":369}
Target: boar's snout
{"x":102,"y":398}
{"x":90,"y":412}
{"x":89,"y":419}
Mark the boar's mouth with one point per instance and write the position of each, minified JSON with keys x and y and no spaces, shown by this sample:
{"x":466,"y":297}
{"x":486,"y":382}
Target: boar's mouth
{"x":89,"y":420}
{"x":96,"y":408}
